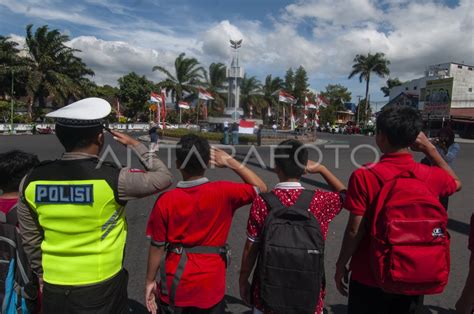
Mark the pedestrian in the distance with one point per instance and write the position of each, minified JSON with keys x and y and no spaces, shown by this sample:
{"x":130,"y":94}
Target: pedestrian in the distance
{"x":235,"y":133}
{"x":153,"y":132}
{"x":259,"y":135}
{"x":226,"y":132}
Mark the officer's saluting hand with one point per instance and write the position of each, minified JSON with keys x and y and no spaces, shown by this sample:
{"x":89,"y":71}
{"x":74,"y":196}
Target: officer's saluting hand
{"x":72,"y":217}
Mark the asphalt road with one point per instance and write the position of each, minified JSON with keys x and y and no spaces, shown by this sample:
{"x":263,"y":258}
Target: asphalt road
{"x":461,"y":207}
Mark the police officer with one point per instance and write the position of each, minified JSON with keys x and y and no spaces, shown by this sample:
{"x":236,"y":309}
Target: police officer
{"x":72,"y":213}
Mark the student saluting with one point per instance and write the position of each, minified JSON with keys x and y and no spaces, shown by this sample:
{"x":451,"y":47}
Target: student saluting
{"x":72,"y":213}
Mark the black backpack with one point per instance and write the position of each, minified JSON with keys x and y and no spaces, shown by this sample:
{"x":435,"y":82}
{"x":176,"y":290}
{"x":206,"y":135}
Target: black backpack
{"x":291,"y":259}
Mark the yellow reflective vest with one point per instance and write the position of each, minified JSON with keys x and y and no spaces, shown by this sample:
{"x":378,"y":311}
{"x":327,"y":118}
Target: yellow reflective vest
{"x":82,"y":218}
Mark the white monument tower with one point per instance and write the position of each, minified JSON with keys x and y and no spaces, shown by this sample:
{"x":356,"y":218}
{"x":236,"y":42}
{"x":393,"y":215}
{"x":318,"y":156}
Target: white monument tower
{"x":235,"y":73}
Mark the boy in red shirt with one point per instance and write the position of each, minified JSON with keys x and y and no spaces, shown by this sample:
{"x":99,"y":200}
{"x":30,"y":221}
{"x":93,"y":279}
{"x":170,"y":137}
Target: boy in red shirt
{"x":190,"y":224}
{"x":398,"y":128}
{"x":324,"y":206}
{"x":14,"y":165}
{"x":465,"y":304}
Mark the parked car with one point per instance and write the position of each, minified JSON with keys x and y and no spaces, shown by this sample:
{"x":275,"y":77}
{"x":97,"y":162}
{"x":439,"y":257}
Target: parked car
{"x":167,"y":126}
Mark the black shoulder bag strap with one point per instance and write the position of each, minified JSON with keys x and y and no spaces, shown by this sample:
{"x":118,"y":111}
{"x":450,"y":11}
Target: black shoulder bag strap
{"x":304,"y":200}
{"x":272,"y":201}
{"x":303,"y":203}
{"x":182,"y":251}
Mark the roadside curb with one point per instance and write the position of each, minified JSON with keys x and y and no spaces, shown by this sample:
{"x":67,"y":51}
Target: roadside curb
{"x":265,"y":142}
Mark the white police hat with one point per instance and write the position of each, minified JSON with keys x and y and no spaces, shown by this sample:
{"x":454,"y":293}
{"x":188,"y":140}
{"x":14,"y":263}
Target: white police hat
{"x":88,"y":112}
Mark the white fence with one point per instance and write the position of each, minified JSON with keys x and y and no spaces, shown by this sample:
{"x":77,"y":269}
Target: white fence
{"x":24,"y":128}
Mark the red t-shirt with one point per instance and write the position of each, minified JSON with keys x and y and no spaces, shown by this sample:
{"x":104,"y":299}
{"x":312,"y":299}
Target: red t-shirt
{"x":325,"y":206}
{"x":362,"y":194}
{"x":197,"y":213}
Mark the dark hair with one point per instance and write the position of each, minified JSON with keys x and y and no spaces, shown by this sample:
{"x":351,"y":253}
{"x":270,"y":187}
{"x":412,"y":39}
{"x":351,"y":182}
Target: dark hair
{"x":199,"y":153}
{"x":447,"y":133}
{"x":76,"y":138}
{"x":14,"y":165}
{"x":400,"y":124}
{"x":291,"y":158}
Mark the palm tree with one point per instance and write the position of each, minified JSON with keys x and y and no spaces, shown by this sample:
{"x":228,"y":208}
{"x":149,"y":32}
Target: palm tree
{"x":390,"y":83}
{"x":250,"y":89}
{"x":364,"y":65}
{"x":216,"y":84}
{"x":10,"y":65}
{"x":269,"y":90}
{"x":186,"y":78}
{"x":53,"y":69}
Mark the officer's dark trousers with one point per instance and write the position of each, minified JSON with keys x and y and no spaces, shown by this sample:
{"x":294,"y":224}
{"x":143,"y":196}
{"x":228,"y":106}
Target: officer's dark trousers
{"x":371,"y":300}
{"x":107,"y":297}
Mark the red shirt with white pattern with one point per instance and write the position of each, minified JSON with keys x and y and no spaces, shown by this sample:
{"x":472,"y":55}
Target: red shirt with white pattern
{"x":325,"y":206}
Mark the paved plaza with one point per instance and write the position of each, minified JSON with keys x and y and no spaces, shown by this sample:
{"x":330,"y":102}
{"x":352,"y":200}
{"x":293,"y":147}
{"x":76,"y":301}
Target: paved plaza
{"x":460,"y":208}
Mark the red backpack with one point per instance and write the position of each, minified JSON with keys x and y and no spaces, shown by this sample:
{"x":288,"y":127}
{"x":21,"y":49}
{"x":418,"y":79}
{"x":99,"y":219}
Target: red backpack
{"x":409,"y":247}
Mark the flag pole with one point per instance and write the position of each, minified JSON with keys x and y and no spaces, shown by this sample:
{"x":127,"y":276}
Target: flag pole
{"x":180,"y":122}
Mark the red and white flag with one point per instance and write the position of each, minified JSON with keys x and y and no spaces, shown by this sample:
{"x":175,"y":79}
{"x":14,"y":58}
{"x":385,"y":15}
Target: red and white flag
{"x":183,"y":105}
{"x":286,"y":98}
{"x":204,"y":94}
{"x":323,"y":102}
{"x":154,"y":97}
{"x":246,"y":127}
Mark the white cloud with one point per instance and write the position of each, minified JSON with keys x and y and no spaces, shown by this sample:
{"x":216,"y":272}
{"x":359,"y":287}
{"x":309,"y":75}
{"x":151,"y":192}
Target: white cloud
{"x":413,"y":35}
{"x":47,"y":10}
{"x":113,"y":59}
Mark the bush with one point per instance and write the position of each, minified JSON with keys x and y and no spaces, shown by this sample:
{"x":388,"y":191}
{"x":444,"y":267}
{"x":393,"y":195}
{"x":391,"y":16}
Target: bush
{"x":211,"y":136}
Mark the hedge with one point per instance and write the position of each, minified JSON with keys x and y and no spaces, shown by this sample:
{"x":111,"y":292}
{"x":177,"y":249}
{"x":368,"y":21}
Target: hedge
{"x":211,"y":136}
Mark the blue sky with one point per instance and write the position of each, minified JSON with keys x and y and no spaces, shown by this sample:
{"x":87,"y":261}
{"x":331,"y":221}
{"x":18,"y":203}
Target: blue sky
{"x":116,"y":37}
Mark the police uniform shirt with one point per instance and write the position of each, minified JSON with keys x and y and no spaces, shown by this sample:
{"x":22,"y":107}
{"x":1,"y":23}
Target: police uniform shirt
{"x":128,"y":183}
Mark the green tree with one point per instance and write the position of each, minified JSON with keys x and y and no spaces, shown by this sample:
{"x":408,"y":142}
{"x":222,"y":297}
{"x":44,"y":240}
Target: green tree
{"x":362,"y":113}
{"x":337,"y":95}
{"x":365,"y":65}
{"x":11,"y":64}
{"x":134,"y":92}
{"x":270,"y":94}
{"x":389,"y":84}
{"x":289,"y":83}
{"x":187,"y":76}
{"x":107,"y":92}
{"x":250,"y":90}
{"x":216,"y":84}
{"x":301,"y":85}
{"x":53,"y":69}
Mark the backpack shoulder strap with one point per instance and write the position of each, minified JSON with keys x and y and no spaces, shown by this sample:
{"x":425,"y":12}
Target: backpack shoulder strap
{"x":304,"y":200}
{"x":382,"y":172}
{"x":272,"y":201}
